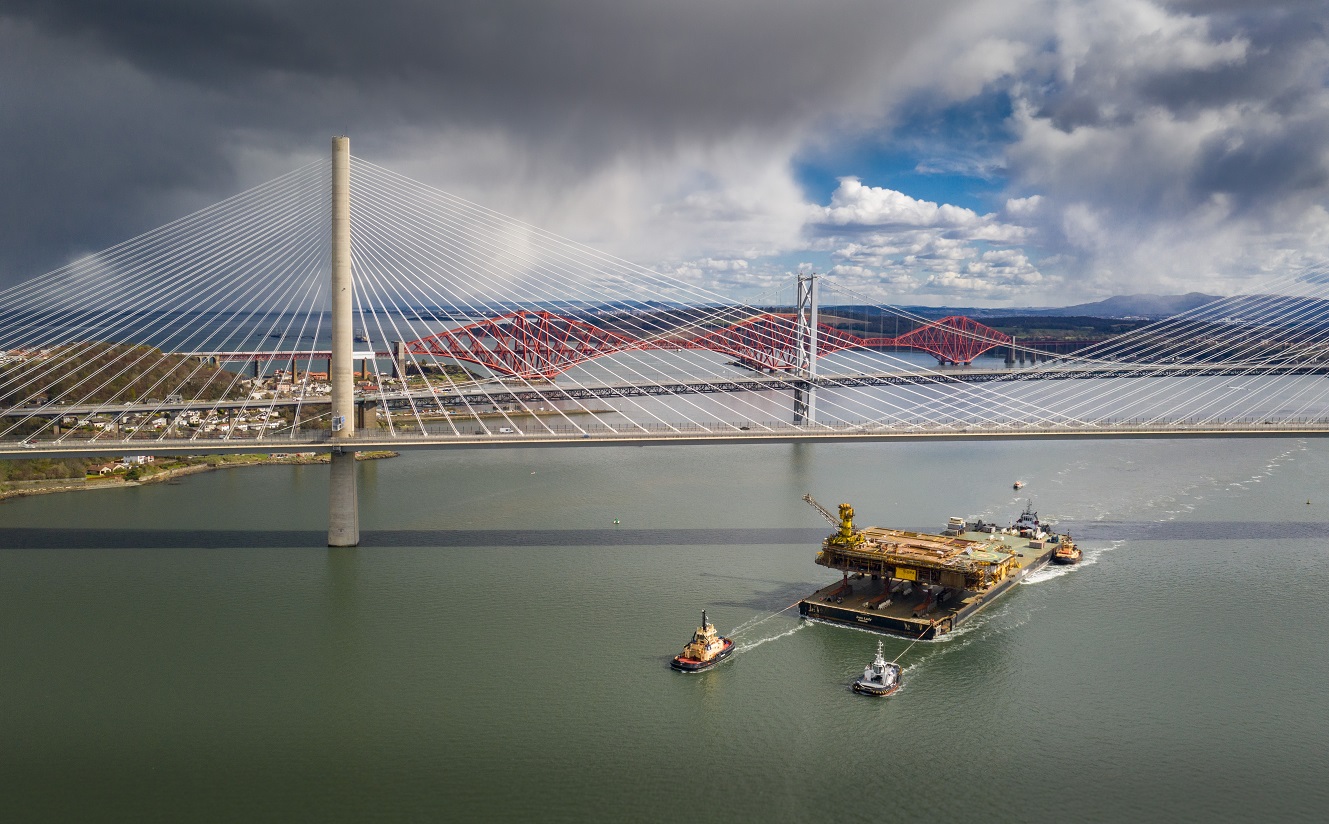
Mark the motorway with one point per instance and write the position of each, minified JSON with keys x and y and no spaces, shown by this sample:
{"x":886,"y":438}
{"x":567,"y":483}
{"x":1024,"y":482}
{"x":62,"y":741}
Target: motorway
{"x":501,"y":392}
{"x":661,"y":435}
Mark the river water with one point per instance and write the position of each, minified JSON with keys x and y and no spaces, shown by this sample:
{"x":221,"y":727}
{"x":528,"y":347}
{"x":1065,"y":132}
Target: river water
{"x":497,"y":649}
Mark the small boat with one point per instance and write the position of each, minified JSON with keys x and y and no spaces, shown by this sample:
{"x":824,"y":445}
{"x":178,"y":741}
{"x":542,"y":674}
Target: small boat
{"x":1018,"y":485}
{"x":881,"y":677}
{"x":706,"y":649}
{"x":362,"y":337}
{"x":1066,"y":552}
{"x":1028,"y":525}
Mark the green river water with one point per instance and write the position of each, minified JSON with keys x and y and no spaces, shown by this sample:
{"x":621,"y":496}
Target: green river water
{"x":498,"y":648}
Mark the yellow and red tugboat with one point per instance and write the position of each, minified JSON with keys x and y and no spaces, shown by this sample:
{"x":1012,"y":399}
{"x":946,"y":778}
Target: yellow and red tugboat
{"x":1066,"y":552}
{"x":706,"y":649}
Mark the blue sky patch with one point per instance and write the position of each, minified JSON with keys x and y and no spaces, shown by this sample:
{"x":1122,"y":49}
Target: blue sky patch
{"x":948,"y":155}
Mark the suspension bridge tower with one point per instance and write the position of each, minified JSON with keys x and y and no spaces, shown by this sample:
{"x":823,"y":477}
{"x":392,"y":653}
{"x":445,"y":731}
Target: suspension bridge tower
{"x":805,"y":349}
{"x":343,"y":503}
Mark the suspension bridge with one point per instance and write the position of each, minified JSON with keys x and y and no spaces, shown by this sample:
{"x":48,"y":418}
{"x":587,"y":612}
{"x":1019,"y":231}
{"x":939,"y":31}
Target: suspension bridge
{"x":344,"y":307}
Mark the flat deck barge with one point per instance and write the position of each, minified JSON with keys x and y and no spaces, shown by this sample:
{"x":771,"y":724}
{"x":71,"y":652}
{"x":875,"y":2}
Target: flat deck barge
{"x":921,"y":585}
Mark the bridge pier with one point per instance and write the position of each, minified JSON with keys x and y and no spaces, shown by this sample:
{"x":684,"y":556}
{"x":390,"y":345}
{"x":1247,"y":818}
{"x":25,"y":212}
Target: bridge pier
{"x":399,"y":359}
{"x":801,"y":396}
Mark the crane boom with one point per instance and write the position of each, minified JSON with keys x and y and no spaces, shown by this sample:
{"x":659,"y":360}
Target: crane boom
{"x":845,"y":534}
{"x":825,"y":513}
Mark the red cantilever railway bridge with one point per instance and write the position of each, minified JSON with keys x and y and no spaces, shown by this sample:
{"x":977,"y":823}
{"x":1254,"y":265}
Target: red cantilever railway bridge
{"x":539,"y":344}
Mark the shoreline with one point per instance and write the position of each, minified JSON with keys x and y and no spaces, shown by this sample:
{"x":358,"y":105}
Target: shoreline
{"x":58,"y":485}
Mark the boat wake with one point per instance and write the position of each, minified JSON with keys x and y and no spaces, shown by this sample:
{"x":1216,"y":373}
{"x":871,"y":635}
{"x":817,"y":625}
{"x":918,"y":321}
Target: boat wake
{"x":1092,"y":552}
{"x":749,"y":624}
{"x":751,"y":645}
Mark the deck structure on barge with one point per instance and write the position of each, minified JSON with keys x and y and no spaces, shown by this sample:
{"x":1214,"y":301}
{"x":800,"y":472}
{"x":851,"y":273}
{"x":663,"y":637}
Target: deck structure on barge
{"x":917,"y":584}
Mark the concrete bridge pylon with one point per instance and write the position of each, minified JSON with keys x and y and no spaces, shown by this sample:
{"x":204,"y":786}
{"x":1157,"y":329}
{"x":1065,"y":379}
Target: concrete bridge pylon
{"x":343,"y":501}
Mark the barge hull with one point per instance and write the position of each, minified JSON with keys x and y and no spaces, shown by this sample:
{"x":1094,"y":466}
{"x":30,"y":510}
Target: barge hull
{"x":898,"y":619}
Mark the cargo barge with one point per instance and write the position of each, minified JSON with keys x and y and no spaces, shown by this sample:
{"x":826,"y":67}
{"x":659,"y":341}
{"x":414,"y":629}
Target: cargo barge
{"x":922,"y":585}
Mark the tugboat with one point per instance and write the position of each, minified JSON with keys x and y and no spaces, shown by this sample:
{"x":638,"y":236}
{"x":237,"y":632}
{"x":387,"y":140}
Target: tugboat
{"x":880,"y":677}
{"x":1067,"y":552}
{"x":1028,"y":525}
{"x":706,"y":649}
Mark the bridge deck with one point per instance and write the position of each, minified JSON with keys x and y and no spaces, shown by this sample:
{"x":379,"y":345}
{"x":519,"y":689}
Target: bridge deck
{"x":532,"y":392}
{"x":681,"y":436}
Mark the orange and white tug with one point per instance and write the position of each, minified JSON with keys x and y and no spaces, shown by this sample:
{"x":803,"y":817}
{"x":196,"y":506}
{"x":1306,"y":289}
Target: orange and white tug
{"x":706,"y":649}
{"x":1066,"y":552}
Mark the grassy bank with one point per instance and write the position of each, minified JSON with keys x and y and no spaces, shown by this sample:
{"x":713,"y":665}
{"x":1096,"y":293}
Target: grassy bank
{"x":19,"y":480}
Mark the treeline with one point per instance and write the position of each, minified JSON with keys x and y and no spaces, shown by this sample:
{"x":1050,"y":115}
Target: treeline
{"x":47,"y":469}
{"x":1070,"y":328}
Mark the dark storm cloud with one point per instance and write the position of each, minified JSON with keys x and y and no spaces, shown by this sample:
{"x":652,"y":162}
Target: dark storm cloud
{"x":1175,"y":144}
{"x":1280,"y":166}
{"x":744,"y":57}
{"x":116,"y":117}
{"x":1209,"y":6}
{"x":1177,"y":135}
{"x":1277,"y":71}
{"x":1282,"y":66}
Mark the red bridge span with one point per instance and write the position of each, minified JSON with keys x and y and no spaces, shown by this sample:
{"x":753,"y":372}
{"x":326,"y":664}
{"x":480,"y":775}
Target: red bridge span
{"x":538,"y":344}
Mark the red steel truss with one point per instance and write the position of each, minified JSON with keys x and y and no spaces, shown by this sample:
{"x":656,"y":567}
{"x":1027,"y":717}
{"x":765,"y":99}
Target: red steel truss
{"x":955,"y":339}
{"x":767,"y":342}
{"x":544,"y":345}
{"x":524,"y":344}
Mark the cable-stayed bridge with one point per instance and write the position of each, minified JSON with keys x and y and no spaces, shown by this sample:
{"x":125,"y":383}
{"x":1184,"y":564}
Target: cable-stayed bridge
{"x":344,"y":307}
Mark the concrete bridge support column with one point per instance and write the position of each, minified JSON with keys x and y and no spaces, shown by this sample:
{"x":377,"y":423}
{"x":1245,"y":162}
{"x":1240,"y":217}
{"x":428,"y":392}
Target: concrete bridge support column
{"x":343,"y":505}
{"x":399,"y":359}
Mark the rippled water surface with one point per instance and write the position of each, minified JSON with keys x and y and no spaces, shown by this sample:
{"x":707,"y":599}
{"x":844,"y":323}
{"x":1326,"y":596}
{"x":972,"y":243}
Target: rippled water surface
{"x":497,"y":650}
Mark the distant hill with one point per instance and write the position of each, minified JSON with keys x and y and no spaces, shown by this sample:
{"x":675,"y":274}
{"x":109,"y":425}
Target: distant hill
{"x":1121,"y":306}
{"x":1134,"y":306}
